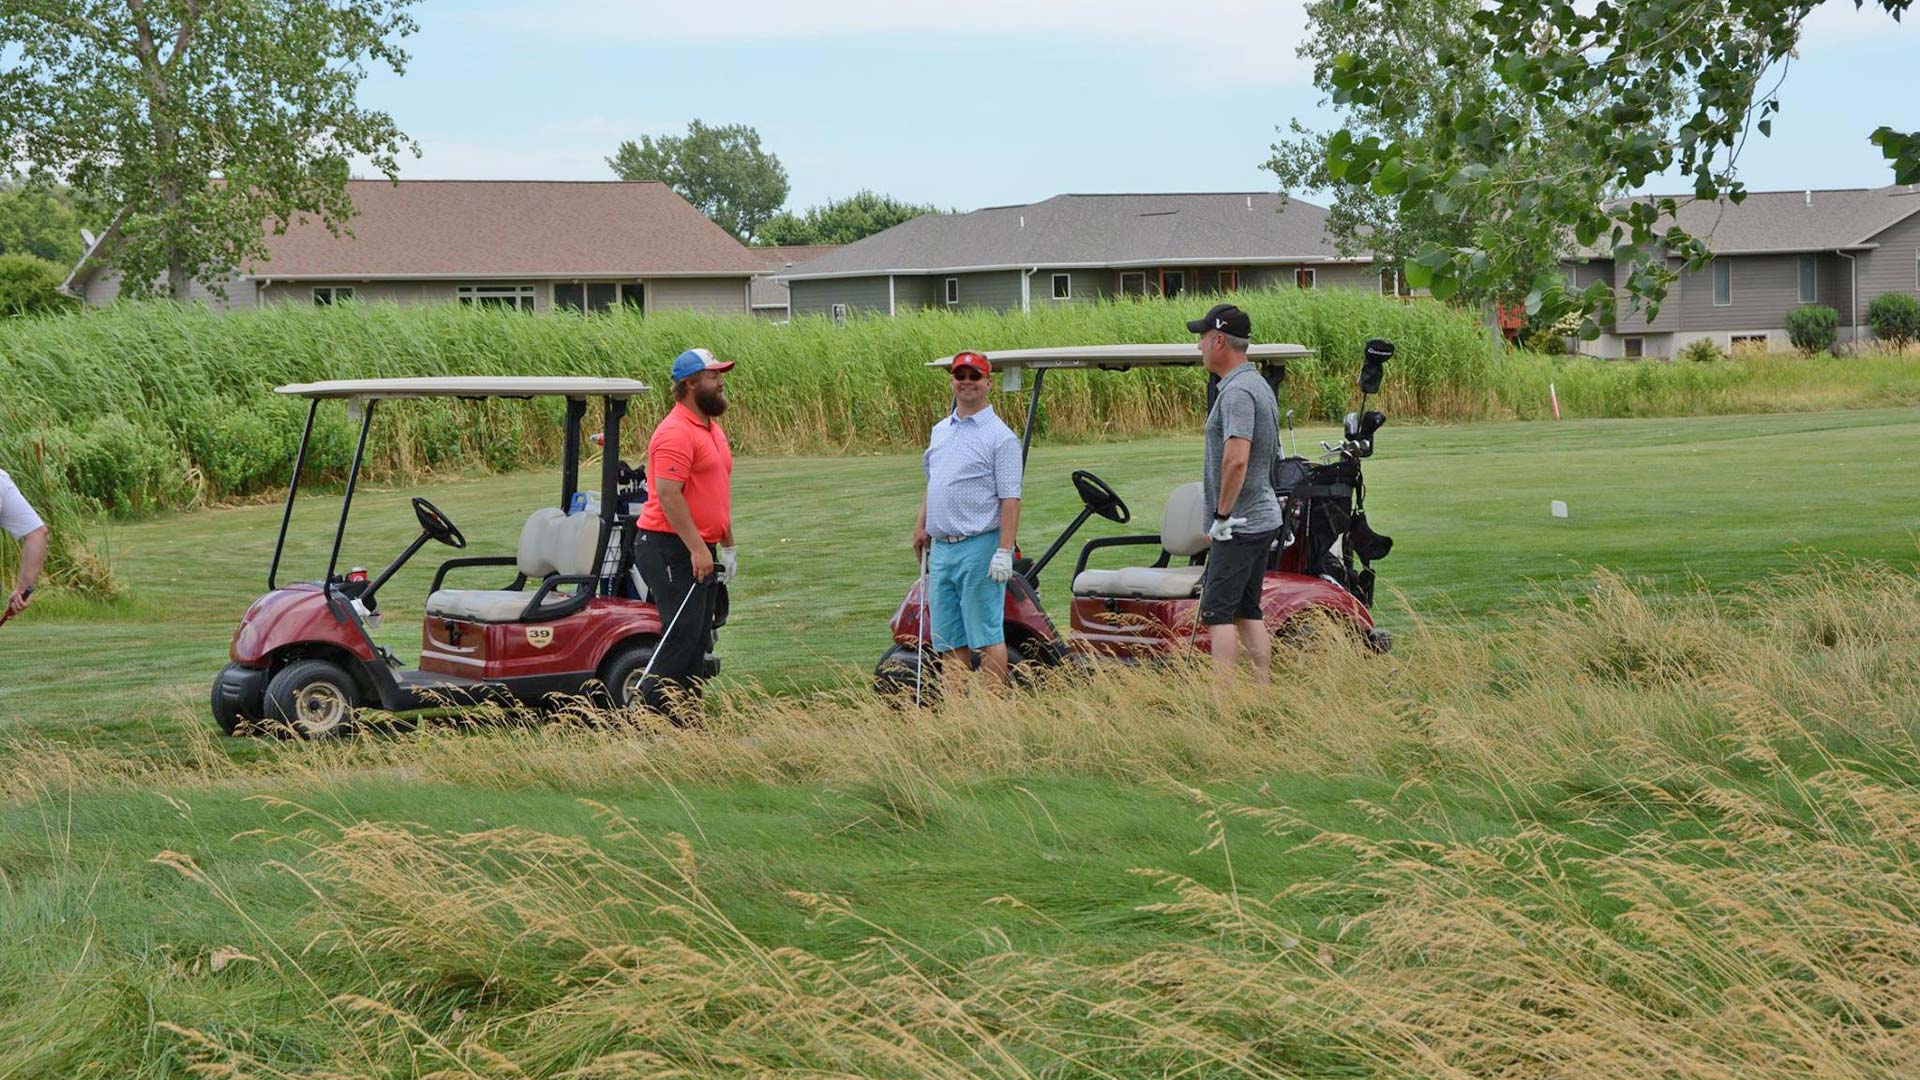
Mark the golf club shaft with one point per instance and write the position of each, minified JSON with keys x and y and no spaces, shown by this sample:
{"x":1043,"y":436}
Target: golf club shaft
{"x":647,"y":672}
{"x":920,"y":650}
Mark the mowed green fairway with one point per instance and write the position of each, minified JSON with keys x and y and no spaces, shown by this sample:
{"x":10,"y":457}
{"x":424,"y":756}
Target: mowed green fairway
{"x":824,"y":555}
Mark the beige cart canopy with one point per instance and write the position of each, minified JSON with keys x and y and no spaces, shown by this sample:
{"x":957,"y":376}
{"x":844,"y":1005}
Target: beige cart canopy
{"x":468,"y":386}
{"x":1121,"y":357}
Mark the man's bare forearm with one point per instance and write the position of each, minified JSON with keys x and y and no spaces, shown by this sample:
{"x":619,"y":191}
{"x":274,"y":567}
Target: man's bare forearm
{"x":673,"y":503}
{"x":33,"y":556}
{"x":1233,"y":473}
{"x":1009,"y":522}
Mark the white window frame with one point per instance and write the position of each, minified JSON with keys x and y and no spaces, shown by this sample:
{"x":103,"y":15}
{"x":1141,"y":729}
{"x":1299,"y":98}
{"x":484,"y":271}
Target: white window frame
{"x":1057,"y":279}
{"x":839,"y":312}
{"x":335,"y":294}
{"x":1715,"y":271}
{"x":953,"y":291}
{"x":1390,"y":281}
{"x":1125,"y":274}
{"x":1800,"y":278}
{"x":472,"y":295}
{"x":1220,"y":281}
{"x":1628,"y":345}
{"x":621,"y":290}
{"x":1176,"y":275}
{"x":1313,"y":277}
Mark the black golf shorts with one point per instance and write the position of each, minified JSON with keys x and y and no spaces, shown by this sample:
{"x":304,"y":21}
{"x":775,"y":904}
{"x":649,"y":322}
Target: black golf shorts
{"x":1236,"y":573}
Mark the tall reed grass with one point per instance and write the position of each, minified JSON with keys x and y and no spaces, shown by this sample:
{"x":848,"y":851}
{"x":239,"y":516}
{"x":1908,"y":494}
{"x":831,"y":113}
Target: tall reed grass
{"x":160,"y":405}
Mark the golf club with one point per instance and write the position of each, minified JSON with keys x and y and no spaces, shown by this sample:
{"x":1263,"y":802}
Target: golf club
{"x":920,"y":650}
{"x":1290,"y":431}
{"x":647,"y":671}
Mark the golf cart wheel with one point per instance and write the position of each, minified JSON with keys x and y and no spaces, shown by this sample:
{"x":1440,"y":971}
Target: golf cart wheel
{"x":314,"y":699}
{"x":622,"y":676}
{"x":893,"y":678}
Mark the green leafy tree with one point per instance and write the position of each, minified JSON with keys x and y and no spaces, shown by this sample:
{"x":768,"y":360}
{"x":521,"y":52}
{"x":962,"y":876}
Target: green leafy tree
{"x":40,"y":220}
{"x":30,"y":285}
{"x":1642,"y":87}
{"x":722,"y":171}
{"x":201,"y":122}
{"x":1813,"y":328}
{"x":1417,"y":39}
{"x":1895,"y":318}
{"x":841,"y":221}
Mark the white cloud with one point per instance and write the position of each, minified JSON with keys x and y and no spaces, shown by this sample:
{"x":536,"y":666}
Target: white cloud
{"x":1235,"y":41}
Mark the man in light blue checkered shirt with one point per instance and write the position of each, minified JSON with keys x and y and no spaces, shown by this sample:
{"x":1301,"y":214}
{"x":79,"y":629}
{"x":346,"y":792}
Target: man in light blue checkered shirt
{"x":969,"y":518}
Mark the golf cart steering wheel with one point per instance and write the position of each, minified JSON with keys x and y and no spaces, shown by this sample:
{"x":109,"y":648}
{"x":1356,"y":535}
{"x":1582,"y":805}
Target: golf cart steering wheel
{"x":435,"y":524}
{"x":1100,"y":498}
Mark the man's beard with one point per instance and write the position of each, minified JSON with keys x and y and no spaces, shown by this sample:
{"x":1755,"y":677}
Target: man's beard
{"x":711,"y":402}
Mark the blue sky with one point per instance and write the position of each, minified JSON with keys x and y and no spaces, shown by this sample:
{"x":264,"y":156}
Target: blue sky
{"x":984,"y":102}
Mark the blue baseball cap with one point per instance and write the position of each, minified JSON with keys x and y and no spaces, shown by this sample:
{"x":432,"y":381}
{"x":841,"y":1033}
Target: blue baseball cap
{"x":694,"y":361}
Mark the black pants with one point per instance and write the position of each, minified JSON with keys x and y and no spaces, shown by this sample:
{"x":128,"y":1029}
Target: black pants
{"x":679,"y":659}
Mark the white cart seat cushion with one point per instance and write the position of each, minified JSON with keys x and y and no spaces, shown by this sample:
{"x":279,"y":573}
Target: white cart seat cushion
{"x":551,"y":542}
{"x":1183,"y":533}
{"x":1142,"y":582}
{"x":487,"y":605}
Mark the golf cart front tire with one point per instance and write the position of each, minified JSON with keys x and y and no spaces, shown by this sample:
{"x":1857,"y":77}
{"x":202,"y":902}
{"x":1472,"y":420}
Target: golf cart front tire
{"x":312,"y":699}
{"x":622,"y":673}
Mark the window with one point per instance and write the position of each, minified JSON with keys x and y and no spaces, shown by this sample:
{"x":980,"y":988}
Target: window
{"x":1303,"y":278}
{"x":1748,"y":344}
{"x":1172,"y":283}
{"x":325,"y":295}
{"x":1392,"y":284}
{"x":1809,"y":279}
{"x":839,"y":314}
{"x":1722,"y":283}
{"x":953,"y":290}
{"x":598,"y":296}
{"x":1063,"y":286}
{"x":1229,"y":280}
{"x":1133,"y":284}
{"x":510,"y":296}
{"x":1635,"y":347}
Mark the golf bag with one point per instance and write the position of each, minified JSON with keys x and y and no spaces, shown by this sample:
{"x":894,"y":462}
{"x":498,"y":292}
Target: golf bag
{"x":1325,"y":510}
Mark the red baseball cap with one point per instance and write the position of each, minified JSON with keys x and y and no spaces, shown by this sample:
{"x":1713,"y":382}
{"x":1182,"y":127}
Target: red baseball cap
{"x":971,"y":359}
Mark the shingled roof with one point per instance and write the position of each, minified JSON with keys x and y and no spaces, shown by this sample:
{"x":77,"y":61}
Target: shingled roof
{"x":1093,"y":230}
{"x":1766,"y":222}
{"x":511,"y":228}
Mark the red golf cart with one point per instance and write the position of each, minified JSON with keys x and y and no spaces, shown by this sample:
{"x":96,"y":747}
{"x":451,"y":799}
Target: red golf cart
{"x":573,"y":619}
{"x":1150,"y":611}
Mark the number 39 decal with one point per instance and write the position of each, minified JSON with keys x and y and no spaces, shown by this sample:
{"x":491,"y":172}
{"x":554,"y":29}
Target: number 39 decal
{"x":539,"y":636}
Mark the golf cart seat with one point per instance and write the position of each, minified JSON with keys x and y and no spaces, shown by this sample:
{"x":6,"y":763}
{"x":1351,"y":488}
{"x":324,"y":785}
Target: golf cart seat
{"x":551,"y":542}
{"x":1183,"y":532}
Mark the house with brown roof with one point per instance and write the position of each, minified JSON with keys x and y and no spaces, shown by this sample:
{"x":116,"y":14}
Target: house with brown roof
{"x":1773,"y":252}
{"x":1080,"y":248}
{"x":533,"y":245}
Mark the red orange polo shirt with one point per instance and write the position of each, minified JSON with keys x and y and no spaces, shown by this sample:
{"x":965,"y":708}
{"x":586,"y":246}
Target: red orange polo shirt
{"x":691,"y":449}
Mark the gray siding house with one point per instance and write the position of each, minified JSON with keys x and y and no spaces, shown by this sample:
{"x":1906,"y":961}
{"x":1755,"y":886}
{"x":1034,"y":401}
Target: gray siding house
{"x":1774,"y":252}
{"x":1081,"y":248}
{"x":580,"y":245}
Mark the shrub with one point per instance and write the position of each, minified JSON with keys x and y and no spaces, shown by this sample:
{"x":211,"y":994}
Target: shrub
{"x":30,"y":285}
{"x":1702,"y":351}
{"x":1813,"y":328}
{"x":1895,"y":318}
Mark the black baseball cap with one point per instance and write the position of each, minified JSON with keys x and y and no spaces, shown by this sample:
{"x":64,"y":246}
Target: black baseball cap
{"x":1225,"y":318}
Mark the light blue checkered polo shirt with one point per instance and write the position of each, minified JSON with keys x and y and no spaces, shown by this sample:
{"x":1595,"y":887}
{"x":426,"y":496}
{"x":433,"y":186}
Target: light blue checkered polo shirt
{"x":972,"y":463}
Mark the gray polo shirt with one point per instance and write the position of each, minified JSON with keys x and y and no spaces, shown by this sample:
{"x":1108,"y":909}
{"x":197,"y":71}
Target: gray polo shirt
{"x":1245,"y":409}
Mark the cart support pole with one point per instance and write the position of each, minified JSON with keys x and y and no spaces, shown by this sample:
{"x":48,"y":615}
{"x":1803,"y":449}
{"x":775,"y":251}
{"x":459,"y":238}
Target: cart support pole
{"x":570,"y":455}
{"x":346,"y":500}
{"x":616,"y":410}
{"x":1033,"y":408}
{"x":293,"y":485}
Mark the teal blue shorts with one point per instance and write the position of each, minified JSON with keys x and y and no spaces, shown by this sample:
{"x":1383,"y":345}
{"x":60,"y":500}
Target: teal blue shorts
{"x":968,"y":607}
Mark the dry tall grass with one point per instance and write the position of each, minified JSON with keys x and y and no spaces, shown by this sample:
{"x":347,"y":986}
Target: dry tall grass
{"x":1718,"y":875}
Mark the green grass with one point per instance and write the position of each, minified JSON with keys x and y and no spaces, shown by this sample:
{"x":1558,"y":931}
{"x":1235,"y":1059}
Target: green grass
{"x":825,"y":560}
{"x":979,"y":851}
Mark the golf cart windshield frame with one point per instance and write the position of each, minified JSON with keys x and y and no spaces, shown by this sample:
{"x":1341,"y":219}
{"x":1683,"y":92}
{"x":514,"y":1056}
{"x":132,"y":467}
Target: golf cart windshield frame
{"x":363,"y":395}
{"x":1271,"y":360}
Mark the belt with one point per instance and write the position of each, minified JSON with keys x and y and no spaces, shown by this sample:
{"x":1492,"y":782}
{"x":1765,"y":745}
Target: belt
{"x":957,"y":539}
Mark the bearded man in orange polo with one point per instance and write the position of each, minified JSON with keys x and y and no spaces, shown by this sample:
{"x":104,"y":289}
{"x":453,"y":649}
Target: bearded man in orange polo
{"x":685,"y":547}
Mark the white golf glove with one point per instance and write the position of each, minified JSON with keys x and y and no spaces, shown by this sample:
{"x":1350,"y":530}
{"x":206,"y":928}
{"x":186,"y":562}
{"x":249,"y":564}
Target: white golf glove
{"x":729,"y":565}
{"x":1222,"y":528}
{"x":1001,"y":568}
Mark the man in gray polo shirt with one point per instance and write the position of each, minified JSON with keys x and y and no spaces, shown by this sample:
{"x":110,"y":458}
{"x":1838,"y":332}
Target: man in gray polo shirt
{"x":1243,"y":436}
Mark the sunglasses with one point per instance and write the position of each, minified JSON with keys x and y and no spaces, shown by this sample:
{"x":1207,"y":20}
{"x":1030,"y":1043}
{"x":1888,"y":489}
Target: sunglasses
{"x":966,"y":375}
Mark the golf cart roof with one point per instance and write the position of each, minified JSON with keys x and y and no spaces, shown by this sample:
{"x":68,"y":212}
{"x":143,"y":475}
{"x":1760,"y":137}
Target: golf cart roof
{"x":1121,"y":357}
{"x":469,"y":386}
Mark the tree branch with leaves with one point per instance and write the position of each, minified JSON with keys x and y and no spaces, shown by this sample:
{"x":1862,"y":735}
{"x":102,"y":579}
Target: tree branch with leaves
{"x":203,"y":123}
{"x":722,"y":171}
